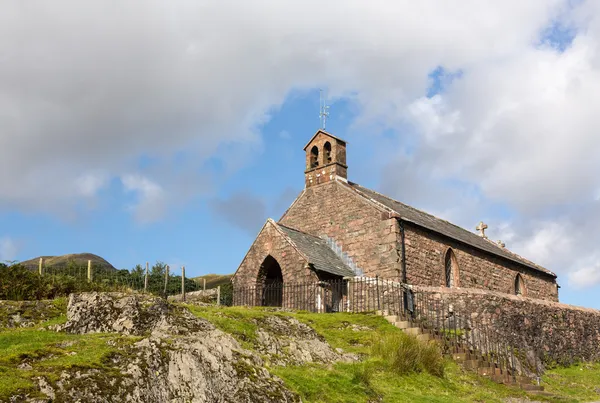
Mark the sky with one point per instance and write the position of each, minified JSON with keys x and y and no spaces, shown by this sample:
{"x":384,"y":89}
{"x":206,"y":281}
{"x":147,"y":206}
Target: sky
{"x":171,"y":132}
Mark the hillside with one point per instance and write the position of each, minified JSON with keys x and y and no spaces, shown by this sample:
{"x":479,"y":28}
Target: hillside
{"x":136,"y":348}
{"x":76,"y":259}
{"x":214,"y":280}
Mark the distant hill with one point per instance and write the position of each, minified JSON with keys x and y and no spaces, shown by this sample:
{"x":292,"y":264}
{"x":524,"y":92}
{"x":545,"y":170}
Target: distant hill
{"x":76,"y":259}
{"x":214,"y":280}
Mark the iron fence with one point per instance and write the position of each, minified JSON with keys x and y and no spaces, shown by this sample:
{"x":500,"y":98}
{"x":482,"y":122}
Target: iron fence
{"x":458,"y":331}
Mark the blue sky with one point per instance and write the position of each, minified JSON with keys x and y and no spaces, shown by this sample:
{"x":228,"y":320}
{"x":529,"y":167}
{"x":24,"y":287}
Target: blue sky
{"x":174,"y":135}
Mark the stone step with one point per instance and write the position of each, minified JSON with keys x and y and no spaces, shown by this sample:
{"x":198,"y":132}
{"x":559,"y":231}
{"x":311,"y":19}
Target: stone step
{"x":474,"y":363}
{"x":413,"y":330}
{"x":504,"y":379}
{"x":461,"y":356}
{"x":392,"y":318}
{"x":485,"y":371}
{"x":523,"y":379}
{"x":402,"y":324}
{"x":423,"y":337}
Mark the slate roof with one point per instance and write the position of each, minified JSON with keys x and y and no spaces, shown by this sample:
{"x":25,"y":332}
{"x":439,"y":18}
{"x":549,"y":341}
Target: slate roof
{"x":321,"y":256}
{"x":443,"y":227}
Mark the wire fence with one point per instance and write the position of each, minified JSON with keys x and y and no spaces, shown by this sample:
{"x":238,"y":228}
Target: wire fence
{"x":45,"y":282}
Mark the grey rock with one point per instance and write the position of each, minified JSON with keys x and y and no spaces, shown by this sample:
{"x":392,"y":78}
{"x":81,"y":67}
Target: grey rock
{"x":180,"y":358}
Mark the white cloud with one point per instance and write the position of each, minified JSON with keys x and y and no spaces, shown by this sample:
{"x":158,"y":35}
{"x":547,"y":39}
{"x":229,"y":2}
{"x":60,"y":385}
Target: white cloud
{"x":8,"y":249}
{"x":517,"y":129}
{"x":151,"y":198}
{"x":585,"y":277}
{"x":90,"y":183}
{"x":185,"y":77}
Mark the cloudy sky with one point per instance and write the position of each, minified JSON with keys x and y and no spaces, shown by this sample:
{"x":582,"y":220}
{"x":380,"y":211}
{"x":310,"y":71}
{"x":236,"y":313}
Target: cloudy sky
{"x":170,"y":130}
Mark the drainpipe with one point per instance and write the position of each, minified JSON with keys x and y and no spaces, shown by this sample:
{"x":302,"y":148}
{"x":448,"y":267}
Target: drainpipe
{"x":403,"y":251}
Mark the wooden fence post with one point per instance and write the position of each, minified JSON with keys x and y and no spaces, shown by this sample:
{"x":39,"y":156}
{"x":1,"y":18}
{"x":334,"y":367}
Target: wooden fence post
{"x":219,"y":295}
{"x":204,"y":286}
{"x":183,"y":283}
{"x":89,"y":274}
{"x":41,"y":267}
{"x":166,"y":280}
{"x":146,"y":279}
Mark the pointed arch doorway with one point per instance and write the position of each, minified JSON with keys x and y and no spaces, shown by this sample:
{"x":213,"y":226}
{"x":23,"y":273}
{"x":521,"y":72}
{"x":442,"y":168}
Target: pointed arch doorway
{"x":270,"y":282}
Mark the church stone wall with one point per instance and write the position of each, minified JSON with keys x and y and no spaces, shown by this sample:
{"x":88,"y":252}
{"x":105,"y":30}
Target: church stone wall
{"x":271,"y":242}
{"x":356,"y":225}
{"x":425,"y":254}
{"x":554,"y":332}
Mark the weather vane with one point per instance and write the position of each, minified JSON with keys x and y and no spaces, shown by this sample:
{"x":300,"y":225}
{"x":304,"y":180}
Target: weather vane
{"x":323,"y":109}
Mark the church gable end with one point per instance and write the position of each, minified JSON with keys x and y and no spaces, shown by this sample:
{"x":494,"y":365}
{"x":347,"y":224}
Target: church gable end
{"x":369,"y":237}
{"x":271,"y":242}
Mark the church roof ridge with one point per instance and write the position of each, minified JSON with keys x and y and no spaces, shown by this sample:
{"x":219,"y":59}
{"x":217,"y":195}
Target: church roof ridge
{"x":326,"y":133}
{"x":444,"y":227}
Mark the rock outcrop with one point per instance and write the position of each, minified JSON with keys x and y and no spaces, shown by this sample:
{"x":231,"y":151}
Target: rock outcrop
{"x":287,"y":341}
{"x":179,"y":358}
{"x":15,"y":314}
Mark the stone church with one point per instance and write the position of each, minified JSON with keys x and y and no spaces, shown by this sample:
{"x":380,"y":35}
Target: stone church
{"x":337,"y":229}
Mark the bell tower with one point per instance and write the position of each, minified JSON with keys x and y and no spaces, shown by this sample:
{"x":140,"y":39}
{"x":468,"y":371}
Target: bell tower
{"x":325,"y":159}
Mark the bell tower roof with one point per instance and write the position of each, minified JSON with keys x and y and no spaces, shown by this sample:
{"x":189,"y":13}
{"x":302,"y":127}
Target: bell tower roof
{"x":323,"y":132}
{"x":325,"y":159}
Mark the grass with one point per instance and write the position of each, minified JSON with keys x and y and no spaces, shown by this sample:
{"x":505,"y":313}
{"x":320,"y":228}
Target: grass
{"x":384,"y":349}
{"x":404,"y":355}
{"x":28,"y":353}
{"x":384,"y":374}
{"x":580,"y":382}
{"x":347,"y":383}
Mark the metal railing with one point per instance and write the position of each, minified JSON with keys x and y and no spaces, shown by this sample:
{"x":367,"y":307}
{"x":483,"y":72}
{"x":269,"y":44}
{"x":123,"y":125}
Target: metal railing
{"x":458,"y":331}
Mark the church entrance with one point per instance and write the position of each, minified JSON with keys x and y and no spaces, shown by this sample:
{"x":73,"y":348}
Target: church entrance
{"x":270,"y":282}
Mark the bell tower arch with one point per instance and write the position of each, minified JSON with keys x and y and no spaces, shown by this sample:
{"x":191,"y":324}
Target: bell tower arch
{"x":325,"y":159}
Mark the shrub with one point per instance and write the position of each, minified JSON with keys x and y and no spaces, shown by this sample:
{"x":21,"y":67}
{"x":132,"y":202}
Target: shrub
{"x":405,"y":354}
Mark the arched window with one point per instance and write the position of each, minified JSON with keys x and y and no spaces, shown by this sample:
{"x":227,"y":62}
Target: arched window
{"x":327,"y":148}
{"x":450,"y":269}
{"x":519,"y":285}
{"x":314,"y":157}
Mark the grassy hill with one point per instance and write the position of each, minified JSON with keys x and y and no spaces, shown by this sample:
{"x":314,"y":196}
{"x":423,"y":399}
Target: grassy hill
{"x":35,"y":351}
{"x":214,"y":280}
{"x":75,"y":259}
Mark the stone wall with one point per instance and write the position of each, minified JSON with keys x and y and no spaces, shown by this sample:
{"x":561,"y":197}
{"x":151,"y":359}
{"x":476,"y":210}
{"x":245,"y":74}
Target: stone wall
{"x":425,"y":258}
{"x":355,"y":224}
{"x":271,"y":242}
{"x":555,"y":332}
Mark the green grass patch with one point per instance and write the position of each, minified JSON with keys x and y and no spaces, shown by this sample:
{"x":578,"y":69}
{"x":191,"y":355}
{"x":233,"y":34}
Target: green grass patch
{"x":404,"y":354}
{"x":47,"y":353}
{"x":349,"y":331}
{"x":578,"y":383}
{"x":395,"y":367}
{"x":374,"y":381}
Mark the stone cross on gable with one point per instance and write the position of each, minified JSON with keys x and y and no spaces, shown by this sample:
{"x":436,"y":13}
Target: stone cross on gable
{"x":481,"y":228}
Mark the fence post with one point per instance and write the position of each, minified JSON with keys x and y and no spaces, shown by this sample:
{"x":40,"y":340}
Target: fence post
{"x":204,"y":285}
{"x":219,"y":295}
{"x":378,"y":304}
{"x":146,"y":279}
{"x":166,"y":280}
{"x":40,"y":268}
{"x":183,"y":283}
{"x":89,"y":274}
